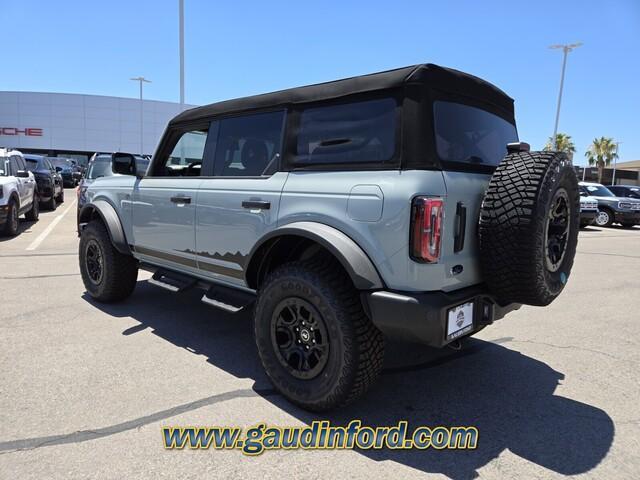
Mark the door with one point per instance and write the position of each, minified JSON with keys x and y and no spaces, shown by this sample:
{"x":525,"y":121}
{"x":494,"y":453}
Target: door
{"x":25,"y":185}
{"x":239,"y":203}
{"x":163,"y":203}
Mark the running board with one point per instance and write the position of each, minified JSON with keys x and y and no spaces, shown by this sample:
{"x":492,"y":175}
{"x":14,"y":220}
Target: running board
{"x":229,"y":299}
{"x":174,"y":282}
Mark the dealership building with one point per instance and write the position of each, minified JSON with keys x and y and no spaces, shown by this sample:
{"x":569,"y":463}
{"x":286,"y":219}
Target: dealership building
{"x":76,"y":126}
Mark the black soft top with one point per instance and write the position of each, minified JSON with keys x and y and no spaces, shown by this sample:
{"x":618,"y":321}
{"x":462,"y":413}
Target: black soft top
{"x":430,"y":75}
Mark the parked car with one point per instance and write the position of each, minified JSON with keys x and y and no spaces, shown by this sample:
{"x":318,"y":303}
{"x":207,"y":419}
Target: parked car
{"x":18,"y":191}
{"x":100,"y":166}
{"x":69,"y":173}
{"x":612,"y":209}
{"x":588,"y":209}
{"x":50,"y":187}
{"x":396,"y":204}
{"x":625,"y":191}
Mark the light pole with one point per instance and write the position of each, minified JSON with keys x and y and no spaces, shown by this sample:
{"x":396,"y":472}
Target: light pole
{"x":181,"y":29}
{"x":615,"y":161}
{"x":141,"y":80}
{"x":565,"y":50}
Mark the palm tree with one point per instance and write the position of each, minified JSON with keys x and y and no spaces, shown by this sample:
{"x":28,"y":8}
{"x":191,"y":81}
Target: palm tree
{"x":600,"y":154}
{"x":563,"y":144}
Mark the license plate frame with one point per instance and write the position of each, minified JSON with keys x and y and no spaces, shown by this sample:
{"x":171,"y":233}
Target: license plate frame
{"x":460,"y":320}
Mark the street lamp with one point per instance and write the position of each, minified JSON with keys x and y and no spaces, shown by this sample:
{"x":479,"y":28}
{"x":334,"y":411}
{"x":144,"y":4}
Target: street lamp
{"x":615,"y":161}
{"x":141,"y":80}
{"x":565,"y":50}
{"x":181,"y":34}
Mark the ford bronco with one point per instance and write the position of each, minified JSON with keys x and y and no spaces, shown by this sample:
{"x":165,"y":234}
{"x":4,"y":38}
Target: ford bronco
{"x":398,"y":204}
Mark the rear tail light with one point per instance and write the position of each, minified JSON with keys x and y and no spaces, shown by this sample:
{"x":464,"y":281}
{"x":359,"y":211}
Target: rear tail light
{"x":426,"y":229}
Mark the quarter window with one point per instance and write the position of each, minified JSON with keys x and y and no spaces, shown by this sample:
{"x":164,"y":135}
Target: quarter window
{"x":357,"y":132}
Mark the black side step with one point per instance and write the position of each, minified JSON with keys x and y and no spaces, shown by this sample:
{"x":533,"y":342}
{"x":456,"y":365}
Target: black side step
{"x":174,"y":282}
{"x":228,"y":299}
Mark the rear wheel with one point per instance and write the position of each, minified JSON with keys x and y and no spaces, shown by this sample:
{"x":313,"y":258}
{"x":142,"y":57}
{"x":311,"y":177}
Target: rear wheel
{"x":316,"y":344}
{"x":529,"y":224}
{"x":108,"y":275}
{"x":33,"y":214}
{"x":11,"y":225}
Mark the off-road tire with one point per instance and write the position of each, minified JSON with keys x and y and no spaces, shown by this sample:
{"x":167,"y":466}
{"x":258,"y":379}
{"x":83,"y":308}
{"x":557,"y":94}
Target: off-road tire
{"x":12,"y":223}
{"x":34,"y":212}
{"x":356,"y":346}
{"x":513,"y":226}
{"x":119,"y":271}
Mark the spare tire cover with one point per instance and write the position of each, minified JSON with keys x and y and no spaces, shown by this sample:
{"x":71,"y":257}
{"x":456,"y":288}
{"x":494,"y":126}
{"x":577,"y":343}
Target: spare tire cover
{"x":528,"y":231}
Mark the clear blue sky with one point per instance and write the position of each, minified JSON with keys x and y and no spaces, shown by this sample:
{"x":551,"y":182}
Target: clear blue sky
{"x":237,"y":48}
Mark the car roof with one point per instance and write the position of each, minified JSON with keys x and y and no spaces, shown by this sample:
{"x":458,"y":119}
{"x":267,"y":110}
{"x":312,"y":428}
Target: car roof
{"x":587,"y":184}
{"x":428,"y":74}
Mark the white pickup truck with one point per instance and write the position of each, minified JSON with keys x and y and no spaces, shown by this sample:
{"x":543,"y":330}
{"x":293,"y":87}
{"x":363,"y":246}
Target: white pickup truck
{"x":18,"y":192}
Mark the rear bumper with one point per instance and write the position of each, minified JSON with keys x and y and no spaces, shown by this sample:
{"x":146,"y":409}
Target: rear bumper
{"x":422,"y":317}
{"x":627,"y":217}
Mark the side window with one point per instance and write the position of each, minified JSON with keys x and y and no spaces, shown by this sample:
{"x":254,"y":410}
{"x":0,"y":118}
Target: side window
{"x":13,"y":165}
{"x":357,"y":132}
{"x":185,"y":159}
{"x":249,"y":145}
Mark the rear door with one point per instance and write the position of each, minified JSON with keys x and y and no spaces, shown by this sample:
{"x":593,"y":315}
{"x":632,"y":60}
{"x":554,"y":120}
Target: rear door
{"x":238,"y":200}
{"x":163,"y":203}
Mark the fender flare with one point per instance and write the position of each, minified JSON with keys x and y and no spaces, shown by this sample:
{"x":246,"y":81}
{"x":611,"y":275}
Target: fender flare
{"x":354,"y":260}
{"x":110,"y":218}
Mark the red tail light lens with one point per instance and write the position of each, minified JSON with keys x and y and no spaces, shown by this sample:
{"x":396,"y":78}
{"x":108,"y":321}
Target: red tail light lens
{"x":426,"y":229}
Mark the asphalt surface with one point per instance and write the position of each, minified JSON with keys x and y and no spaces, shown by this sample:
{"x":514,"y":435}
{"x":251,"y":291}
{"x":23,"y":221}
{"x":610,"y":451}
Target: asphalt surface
{"x":85,"y":388}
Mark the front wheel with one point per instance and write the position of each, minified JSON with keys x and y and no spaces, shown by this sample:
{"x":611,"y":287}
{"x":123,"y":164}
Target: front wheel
{"x":315,"y":342}
{"x":11,"y":225}
{"x":108,"y":275}
{"x":604,"y":218}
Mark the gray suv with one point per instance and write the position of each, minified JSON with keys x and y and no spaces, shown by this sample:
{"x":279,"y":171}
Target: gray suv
{"x":398,"y":204}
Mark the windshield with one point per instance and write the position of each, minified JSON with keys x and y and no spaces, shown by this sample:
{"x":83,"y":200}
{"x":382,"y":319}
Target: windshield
{"x":100,"y":167}
{"x":60,"y":162}
{"x":599,"y":191}
{"x":466,"y":134}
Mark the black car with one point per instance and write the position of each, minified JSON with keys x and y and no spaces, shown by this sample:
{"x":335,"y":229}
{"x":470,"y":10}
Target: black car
{"x":70,"y":175}
{"x":625,"y":191}
{"x":612,"y":209}
{"x":50,"y":187}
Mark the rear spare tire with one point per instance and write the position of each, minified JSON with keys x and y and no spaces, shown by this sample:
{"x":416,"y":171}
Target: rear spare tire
{"x":528,"y":231}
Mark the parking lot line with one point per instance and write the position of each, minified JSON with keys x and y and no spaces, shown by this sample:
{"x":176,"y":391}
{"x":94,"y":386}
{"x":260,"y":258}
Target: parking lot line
{"x":36,"y":243}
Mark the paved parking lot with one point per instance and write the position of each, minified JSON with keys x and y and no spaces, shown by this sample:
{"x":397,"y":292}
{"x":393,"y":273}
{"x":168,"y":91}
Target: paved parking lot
{"x":85,"y":388}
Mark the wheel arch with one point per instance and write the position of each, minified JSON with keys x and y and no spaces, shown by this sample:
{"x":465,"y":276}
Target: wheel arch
{"x":104,"y":211}
{"x":291,"y":241}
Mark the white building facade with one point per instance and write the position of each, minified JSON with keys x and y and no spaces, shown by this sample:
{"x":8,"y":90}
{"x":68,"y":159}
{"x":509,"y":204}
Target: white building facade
{"x":76,"y":126}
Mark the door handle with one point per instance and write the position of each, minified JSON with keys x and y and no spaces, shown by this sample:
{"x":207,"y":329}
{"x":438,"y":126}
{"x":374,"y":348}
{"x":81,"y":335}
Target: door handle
{"x":181,"y":199}
{"x":255,"y":204}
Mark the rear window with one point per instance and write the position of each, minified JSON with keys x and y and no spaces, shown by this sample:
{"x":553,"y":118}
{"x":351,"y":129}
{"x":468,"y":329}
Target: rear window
{"x":466,"y":134}
{"x":358,"y":132}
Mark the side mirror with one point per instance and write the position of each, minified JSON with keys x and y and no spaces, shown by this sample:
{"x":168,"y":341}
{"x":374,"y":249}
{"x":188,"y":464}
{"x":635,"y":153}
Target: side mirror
{"x":58,"y":169}
{"x":123,"y":163}
{"x":22,"y":174}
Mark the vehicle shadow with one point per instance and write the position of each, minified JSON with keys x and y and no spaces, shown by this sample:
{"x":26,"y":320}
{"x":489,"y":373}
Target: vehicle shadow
{"x":23,"y":226}
{"x":508,"y":396}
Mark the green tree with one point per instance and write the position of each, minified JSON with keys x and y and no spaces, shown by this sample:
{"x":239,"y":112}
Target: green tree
{"x":600,"y":153}
{"x":563,"y":144}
